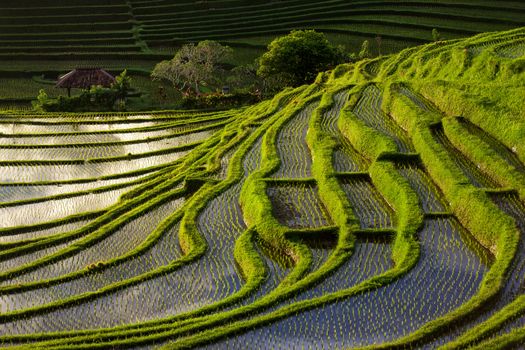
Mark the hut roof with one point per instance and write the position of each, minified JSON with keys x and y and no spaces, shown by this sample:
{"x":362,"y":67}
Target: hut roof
{"x":84,"y":78}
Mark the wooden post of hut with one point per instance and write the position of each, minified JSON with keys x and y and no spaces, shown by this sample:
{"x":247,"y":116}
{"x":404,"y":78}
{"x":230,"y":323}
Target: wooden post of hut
{"x":84,"y":78}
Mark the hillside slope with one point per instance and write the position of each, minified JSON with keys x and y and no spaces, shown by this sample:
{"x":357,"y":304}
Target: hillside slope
{"x":48,"y":38}
{"x":380,"y":207}
{"x":118,"y":27}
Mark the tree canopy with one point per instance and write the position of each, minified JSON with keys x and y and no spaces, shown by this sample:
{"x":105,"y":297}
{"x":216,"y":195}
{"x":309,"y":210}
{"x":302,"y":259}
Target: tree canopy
{"x":193,"y":65}
{"x":298,"y":57}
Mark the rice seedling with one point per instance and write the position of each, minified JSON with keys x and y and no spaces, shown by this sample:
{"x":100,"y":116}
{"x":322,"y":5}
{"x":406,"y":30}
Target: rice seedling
{"x":369,"y":207}
{"x":388,"y":312}
{"x":293,"y":150}
{"x":264,"y":227}
{"x":431,"y":198}
{"x":62,"y":171}
{"x":278,"y":264}
{"x":36,"y":128}
{"x":513,"y":286}
{"x":25,"y":259}
{"x":368,"y":108}
{"x":297,"y":205}
{"x":508,"y":155}
{"x":372,"y":256}
{"x":418,"y":100}
{"x":252,"y":160}
{"x":345,"y":158}
{"x":514,"y":50}
{"x":160,"y":254}
{"x":11,"y":192}
{"x":55,"y":209}
{"x":35,"y":233}
{"x":99,"y":151}
{"x":477,"y":178}
{"x":119,"y":242}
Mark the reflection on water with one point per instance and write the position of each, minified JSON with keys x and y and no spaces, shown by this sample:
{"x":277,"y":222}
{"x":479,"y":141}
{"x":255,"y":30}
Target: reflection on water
{"x":428,"y":291}
{"x":29,"y":128}
{"x":34,"y":213}
{"x":100,"y":151}
{"x":59,"y":172}
{"x":10,"y":193}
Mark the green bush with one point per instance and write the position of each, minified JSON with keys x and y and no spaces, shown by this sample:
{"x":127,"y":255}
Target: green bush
{"x":97,"y":98}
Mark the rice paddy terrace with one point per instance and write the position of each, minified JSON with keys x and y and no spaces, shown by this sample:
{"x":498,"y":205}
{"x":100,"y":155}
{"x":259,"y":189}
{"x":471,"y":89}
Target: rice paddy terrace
{"x":50,"y":37}
{"x":101,"y":27}
{"x":380,"y":207}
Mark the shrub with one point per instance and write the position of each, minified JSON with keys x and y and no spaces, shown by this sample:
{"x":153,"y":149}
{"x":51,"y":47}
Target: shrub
{"x":97,"y":98}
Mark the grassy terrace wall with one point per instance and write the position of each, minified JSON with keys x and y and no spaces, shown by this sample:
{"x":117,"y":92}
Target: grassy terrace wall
{"x":380,"y":207}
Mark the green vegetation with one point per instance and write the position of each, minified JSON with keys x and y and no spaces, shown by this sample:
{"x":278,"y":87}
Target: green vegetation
{"x":97,"y":98}
{"x":193,"y":65}
{"x":380,"y":206}
{"x":41,"y":40}
{"x":297,"y":58}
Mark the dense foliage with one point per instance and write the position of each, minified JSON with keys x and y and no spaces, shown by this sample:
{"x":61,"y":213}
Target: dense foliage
{"x":97,"y":98}
{"x":298,"y":57}
{"x":40,"y":37}
{"x":194,"y":65}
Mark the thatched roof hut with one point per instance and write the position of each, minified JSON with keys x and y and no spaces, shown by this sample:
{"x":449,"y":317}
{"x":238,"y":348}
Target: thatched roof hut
{"x":84,"y":78}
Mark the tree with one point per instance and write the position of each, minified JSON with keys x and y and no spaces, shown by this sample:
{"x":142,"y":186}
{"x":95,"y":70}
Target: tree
{"x":244,"y":78}
{"x":122,"y":83}
{"x":435,"y":35}
{"x":298,"y":57}
{"x":193,"y":65}
{"x":379,"y":41}
{"x":365,"y":50}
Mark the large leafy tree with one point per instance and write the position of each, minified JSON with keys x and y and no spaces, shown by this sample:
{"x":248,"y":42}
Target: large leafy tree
{"x":193,"y":65}
{"x":296,"y":58}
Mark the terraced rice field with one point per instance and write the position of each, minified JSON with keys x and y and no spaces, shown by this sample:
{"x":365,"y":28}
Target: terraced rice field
{"x":49,"y":38}
{"x":349,"y":213}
